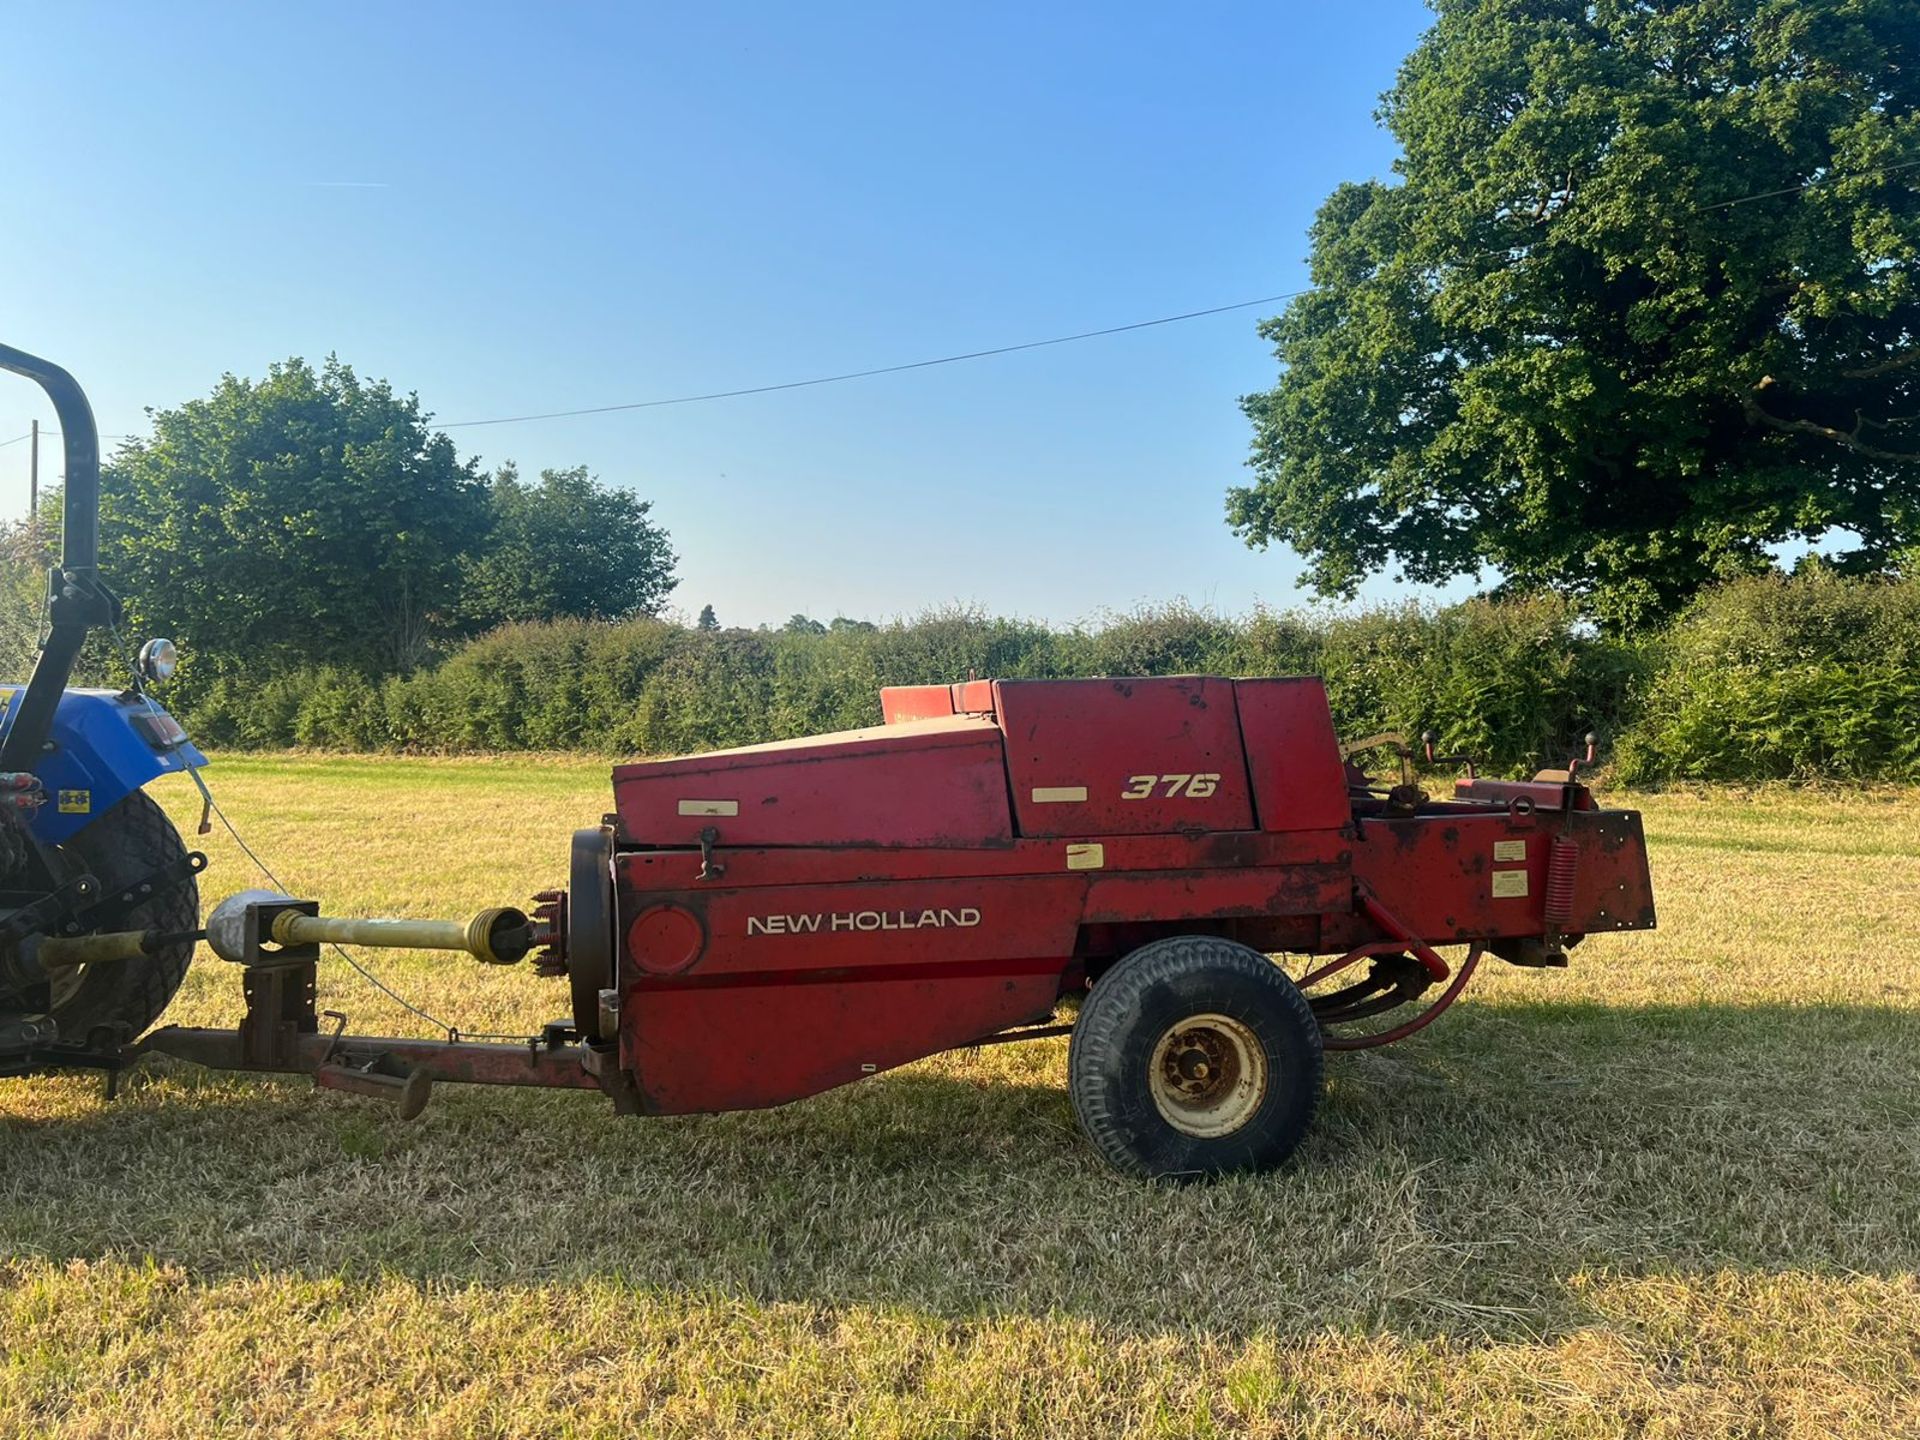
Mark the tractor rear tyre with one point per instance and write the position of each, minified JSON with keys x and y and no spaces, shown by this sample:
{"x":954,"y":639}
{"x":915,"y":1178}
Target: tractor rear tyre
{"x":1195,"y":1056}
{"x":127,"y":844}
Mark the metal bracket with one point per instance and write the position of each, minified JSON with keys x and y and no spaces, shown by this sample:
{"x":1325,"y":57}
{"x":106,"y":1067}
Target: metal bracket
{"x":40,"y":914}
{"x":109,"y":911}
{"x":279,"y":1011}
{"x":709,"y":868}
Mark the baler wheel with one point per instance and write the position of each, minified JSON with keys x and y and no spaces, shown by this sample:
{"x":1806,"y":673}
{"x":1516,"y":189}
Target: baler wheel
{"x":1195,"y":1056}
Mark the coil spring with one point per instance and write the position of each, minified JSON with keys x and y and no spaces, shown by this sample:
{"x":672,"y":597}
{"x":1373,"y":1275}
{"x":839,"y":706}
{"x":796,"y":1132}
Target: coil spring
{"x":1563,"y":861}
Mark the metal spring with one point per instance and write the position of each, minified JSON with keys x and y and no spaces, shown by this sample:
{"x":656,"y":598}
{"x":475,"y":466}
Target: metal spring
{"x":1563,"y":861}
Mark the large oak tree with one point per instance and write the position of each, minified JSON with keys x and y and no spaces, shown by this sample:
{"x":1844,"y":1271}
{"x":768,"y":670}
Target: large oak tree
{"x":1641,"y":304}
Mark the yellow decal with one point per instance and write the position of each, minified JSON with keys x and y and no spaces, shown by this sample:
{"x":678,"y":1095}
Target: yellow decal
{"x":1509,"y":850}
{"x":76,"y":802}
{"x":1509,"y":884}
{"x":1059,"y":794}
{"x":1194,"y":787}
{"x":1087,"y":857}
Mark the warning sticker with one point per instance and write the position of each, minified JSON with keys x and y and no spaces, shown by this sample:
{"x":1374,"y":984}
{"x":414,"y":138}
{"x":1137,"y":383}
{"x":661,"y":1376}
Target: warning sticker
{"x":1509,"y":850}
{"x":76,"y":802}
{"x":1508,"y":884}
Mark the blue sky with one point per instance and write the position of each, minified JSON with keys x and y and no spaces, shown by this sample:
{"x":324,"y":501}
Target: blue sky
{"x":541,"y":208}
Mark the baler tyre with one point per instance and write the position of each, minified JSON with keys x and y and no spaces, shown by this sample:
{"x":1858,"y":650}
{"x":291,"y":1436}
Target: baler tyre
{"x":1195,"y":1056}
{"x":127,"y":844}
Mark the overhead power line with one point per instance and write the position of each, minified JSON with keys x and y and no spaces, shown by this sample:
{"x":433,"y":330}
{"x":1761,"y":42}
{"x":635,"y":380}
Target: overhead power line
{"x":1817,"y":180}
{"x":879,"y":369}
{"x":52,"y":434}
{"x":1060,"y":339}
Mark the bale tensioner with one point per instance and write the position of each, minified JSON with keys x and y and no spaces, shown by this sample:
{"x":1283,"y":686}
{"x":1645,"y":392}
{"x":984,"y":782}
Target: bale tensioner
{"x":756,"y":925}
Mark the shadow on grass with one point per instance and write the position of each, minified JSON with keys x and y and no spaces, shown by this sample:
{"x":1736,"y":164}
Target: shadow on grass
{"x":1457,"y":1183}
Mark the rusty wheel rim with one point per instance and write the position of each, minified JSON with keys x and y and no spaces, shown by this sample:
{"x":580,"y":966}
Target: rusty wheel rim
{"x":1208,"y":1075}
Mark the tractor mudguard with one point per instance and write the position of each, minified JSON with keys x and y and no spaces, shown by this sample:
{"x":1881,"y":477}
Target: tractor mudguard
{"x":105,"y":744}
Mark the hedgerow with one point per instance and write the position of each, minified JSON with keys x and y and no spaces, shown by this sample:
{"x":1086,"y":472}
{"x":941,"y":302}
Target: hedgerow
{"x":1807,"y":677}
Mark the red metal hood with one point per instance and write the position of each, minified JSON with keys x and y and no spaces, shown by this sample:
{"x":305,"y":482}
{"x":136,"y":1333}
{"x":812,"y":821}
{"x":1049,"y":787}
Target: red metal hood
{"x":924,"y":782}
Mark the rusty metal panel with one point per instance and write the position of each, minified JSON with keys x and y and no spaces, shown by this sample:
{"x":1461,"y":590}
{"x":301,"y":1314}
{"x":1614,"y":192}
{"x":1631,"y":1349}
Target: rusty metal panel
{"x":1219,"y":894}
{"x":1613,"y":889}
{"x":1541,"y":794}
{"x":1439,"y":873}
{"x":1462,"y":876}
{"x":927,"y":782}
{"x":1293,"y":755}
{"x":1088,"y":758}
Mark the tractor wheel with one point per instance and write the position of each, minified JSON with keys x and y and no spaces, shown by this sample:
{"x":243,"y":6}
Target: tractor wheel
{"x":1195,"y":1056}
{"x":127,"y":844}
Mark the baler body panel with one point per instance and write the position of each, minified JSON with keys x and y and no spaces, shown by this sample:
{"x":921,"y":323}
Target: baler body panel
{"x":1612,"y":886}
{"x":931,"y":782}
{"x":902,"y":704}
{"x":1123,"y":757}
{"x":764,"y":1045}
{"x":1293,"y":755}
{"x":804,"y":987}
{"x":647,"y":871}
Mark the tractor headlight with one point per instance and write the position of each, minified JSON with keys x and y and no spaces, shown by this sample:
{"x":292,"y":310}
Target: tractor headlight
{"x":159,"y":658}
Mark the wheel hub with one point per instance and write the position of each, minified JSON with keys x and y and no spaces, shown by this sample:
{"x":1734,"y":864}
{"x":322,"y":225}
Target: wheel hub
{"x":1208,"y":1075}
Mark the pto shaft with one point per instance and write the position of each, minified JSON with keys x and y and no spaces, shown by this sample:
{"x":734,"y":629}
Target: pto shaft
{"x":484,"y":937}
{"x":259,"y":927}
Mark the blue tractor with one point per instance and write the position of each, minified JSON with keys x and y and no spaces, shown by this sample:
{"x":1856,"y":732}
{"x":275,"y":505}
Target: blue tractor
{"x":83,"y":849}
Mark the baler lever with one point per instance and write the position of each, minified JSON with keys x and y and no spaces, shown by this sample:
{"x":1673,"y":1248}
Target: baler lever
{"x":1428,"y":739}
{"x":1574,"y":766}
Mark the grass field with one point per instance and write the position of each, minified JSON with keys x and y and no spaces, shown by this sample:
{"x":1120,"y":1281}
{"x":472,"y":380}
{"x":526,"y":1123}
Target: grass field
{"x":1672,"y":1191}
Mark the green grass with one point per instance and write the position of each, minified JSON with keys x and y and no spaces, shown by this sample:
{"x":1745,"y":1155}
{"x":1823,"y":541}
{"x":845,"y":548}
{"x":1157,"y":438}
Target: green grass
{"x":1674,"y":1190}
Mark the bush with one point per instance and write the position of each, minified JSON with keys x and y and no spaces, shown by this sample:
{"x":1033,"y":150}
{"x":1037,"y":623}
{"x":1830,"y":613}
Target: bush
{"x":1775,"y":678}
{"x":1513,"y":683}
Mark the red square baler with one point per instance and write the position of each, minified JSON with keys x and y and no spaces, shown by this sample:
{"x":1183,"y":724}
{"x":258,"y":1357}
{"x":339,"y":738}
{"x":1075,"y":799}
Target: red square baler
{"x":780,"y":919}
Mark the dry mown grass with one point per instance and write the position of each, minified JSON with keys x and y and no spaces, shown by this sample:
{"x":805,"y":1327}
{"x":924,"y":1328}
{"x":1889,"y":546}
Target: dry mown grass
{"x":1669,"y":1192}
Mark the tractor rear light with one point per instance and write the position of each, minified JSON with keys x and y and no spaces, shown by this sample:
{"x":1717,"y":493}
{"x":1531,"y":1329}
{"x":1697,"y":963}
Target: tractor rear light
{"x":158,"y":729}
